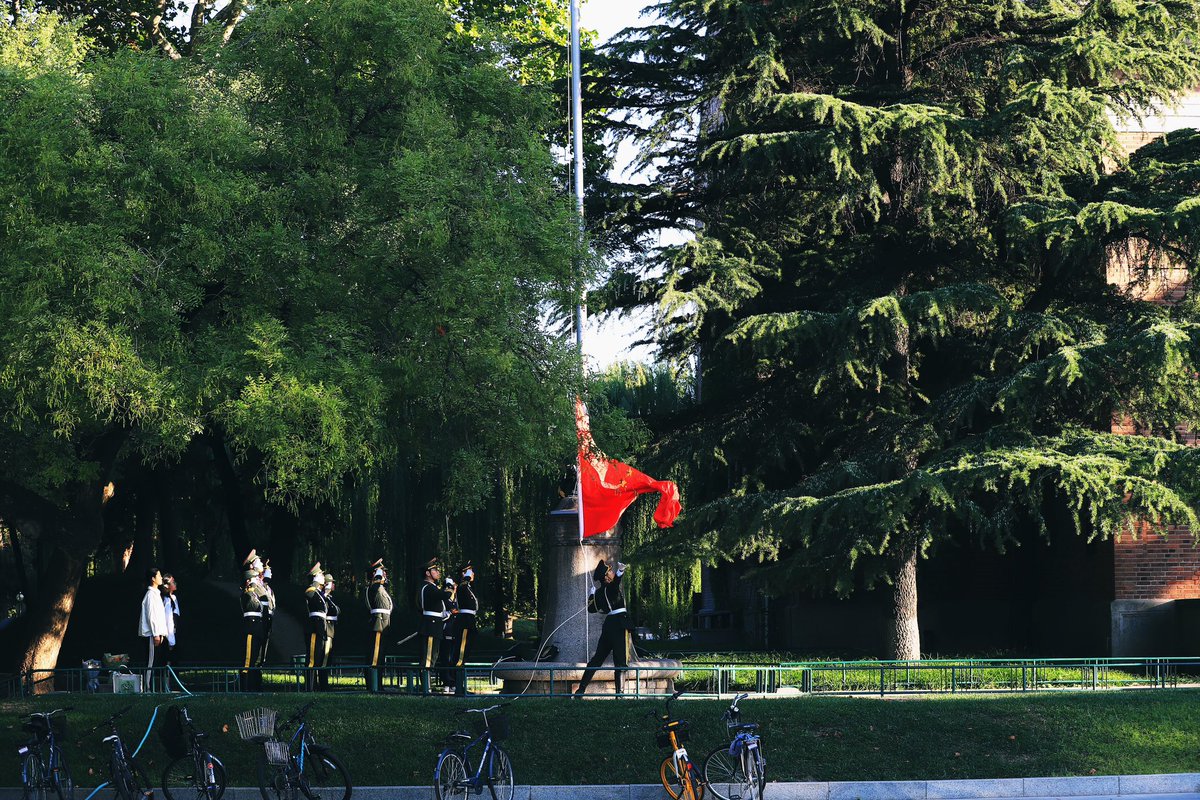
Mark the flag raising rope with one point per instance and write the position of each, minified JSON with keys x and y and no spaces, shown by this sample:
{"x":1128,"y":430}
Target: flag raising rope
{"x":608,"y":487}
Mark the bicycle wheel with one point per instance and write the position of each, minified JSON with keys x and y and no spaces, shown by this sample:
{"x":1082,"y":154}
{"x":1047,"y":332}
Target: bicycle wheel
{"x":448,"y":777}
{"x":33,"y":782}
{"x":60,"y":775}
{"x":500,"y":773}
{"x":755,"y":779}
{"x":724,"y":775}
{"x":185,"y":778}
{"x":127,"y":779}
{"x":324,"y":777}
{"x":672,"y":781}
{"x":276,"y":781}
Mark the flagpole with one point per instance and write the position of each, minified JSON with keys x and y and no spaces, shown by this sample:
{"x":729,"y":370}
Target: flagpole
{"x":580,"y":306}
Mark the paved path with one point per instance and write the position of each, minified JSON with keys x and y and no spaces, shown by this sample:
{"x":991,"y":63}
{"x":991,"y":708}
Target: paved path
{"x":1185,"y":786}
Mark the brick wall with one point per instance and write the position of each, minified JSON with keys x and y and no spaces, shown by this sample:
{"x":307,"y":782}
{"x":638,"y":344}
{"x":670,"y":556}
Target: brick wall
{"x":1159,"y":562}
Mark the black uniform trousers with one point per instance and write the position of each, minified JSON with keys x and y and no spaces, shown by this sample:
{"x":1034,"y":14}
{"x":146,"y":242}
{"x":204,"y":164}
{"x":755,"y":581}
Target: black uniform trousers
{"x":250,"y":677}
{"x":466,"y":646}
{"x":429,"y":632}
{"x":447,"y":651}
{"x":317,"y":642}
{"x":374,"y":659}
{"x":614,"y":642}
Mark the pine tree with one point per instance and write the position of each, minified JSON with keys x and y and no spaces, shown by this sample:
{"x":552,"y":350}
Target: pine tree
{"x":904,"y":213}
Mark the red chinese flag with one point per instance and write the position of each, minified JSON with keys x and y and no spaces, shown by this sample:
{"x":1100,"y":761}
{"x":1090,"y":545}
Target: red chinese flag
{"x":609,"y":487}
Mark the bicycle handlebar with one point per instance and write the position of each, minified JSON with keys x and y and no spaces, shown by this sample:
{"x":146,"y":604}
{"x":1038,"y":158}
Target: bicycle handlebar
{"x":301,"y":713}
{"x":48,"y":714}
{"x":111,"y":721}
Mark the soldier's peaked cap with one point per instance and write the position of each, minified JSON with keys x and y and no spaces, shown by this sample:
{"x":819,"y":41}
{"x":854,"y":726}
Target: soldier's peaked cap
{"x":376,"y":564}
{"x":250,"y":558}
{"x":316,"y":570}
{"x":600,"y":571}
{"x":432,"y":564}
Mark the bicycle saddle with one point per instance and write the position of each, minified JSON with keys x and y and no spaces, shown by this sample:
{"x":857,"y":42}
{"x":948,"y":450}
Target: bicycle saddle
{"x":107,"y":739}
{"x":463,"y":735}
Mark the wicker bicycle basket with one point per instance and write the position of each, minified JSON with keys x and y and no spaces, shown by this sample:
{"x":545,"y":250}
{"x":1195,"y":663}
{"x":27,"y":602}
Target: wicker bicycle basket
{"x":256,"y":725}
{"x":277,"y":752}
{"x":41,"y":725}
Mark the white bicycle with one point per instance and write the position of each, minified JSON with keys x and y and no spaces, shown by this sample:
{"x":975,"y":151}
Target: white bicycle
{"x":738,"y":770}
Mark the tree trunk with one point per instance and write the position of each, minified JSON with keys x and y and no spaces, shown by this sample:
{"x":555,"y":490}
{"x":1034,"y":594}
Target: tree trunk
{"x":169,"y":545}
{"x":235,"y":507}
{"x":143,"y":528}
{"x":285,"y":529}
{"x":905,"y":640}
{"x":50,"y":614}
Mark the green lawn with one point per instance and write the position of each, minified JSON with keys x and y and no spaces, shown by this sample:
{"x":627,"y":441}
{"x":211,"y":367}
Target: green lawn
{"x":394,"y":740}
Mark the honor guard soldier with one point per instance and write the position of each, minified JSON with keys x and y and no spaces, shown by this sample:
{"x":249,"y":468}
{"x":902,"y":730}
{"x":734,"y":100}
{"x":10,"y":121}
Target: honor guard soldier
{"x":252,"y":617}
{"x":265,"y":590}
{"x":253,"y":563}
{"x":433,"y":601}
{"x":379,"y":604}
{"x":447,"y":649}
{"x":608,"y":599}
{"x":331,"y":617}
{"x":317,"y":613}
{"x":464,"y":621}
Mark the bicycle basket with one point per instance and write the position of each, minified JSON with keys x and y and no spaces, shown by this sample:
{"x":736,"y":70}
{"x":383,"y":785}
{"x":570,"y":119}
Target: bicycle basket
{"x":257,"y":724}
{"x":171,"y":734}
{"x":499,"y":725}
{"x":277,"y":752}
{"x":663,"y":737}
{"x":41,"y":725}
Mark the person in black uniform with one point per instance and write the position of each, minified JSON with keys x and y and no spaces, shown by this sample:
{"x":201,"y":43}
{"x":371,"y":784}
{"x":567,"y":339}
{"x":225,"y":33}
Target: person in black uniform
{"x":267,"y":597}
{"x":379,"y":603}
{"x":608,"y":599}
{"x":250,"y":675}
{"x":433,"y":602}
{"x":447,"y":648}
{"x":317,"y":613}
{"x":331,"y":616}
{"x":468,"y":608}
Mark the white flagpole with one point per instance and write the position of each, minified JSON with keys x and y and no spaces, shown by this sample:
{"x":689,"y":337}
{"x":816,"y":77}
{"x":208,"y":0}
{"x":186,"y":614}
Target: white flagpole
{"x":580,"y":307}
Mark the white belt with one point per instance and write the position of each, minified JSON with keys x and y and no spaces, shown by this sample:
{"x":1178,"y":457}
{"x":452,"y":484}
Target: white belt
{"x":251,"y":613}
{"x":466,"y":611}
{"x":317,"y":614}
{"x":437,"y":614}
{"x":332,"y":618}
{"x":381,"y":611}
{"x":615,"y":611}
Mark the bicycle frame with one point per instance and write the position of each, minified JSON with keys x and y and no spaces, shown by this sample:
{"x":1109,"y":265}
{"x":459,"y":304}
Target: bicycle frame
{"x":692,"y":787}
{"x":478,"y":779}
{"x":45,"y":748}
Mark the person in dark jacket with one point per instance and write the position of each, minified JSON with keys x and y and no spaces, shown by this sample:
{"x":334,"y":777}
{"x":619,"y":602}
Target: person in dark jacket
{"x":379,"y":605}
{"x":331,"y":618}
{"x":252,"y":631}
{"x":317,"y":613}
{"x":608,"y":599}
{"x":434,"y":602}
{"x":465,"y":621}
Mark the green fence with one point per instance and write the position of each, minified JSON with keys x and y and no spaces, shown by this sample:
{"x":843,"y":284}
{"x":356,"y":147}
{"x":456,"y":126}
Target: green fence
{"x":880,"y":678}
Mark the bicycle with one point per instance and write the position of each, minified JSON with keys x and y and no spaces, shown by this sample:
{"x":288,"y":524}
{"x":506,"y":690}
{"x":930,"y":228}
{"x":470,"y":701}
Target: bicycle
{"x":678,"y":774}
{"x":453,"y":778}
{"x":738,"y":770}
{"x":43,"y":766}
{"x":194,"y":771}
{"x":125,"y":775}
{"x":298,"y":767}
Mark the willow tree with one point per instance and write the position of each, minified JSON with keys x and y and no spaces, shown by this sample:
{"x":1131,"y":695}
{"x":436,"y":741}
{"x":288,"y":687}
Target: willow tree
{"x":330,"y":243}
{"x":897,"y":289}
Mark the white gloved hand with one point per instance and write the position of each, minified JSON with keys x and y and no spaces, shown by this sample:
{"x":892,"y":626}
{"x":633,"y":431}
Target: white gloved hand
{"x":592,"y":591}
{"x":449,"y":581}
{"x":621,"y":568}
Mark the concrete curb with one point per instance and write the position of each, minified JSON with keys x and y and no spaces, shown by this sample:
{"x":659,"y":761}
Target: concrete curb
{"x":1179,"y":786}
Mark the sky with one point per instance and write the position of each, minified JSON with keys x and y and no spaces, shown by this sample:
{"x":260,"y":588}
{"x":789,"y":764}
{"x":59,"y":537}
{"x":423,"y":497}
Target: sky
{"x":609,"y":340}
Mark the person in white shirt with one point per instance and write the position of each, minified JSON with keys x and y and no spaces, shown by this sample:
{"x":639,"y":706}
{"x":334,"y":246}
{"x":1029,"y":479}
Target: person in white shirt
{"x":171,"y":612}
{"x":153,"y":623}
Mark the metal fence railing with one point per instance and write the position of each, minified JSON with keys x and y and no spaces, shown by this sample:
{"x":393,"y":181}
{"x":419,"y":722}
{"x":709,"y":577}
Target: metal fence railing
{"x":879,"y":678}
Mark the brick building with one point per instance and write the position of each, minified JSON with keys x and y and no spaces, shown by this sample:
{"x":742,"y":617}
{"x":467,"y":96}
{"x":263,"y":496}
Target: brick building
{"x":1156,"y":575}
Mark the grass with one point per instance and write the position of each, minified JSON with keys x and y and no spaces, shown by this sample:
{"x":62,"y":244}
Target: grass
{"x":394,"y":740}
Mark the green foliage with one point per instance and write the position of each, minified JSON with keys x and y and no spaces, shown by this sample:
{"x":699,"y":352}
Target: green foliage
{"x":904,"y":214}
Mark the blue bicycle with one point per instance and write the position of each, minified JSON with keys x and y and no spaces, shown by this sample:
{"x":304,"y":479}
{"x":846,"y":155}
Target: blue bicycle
{"x":453,"y":778}
{"x":738,"y":770}
{"x":298,"y":767}
{"x":44,"y":772}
